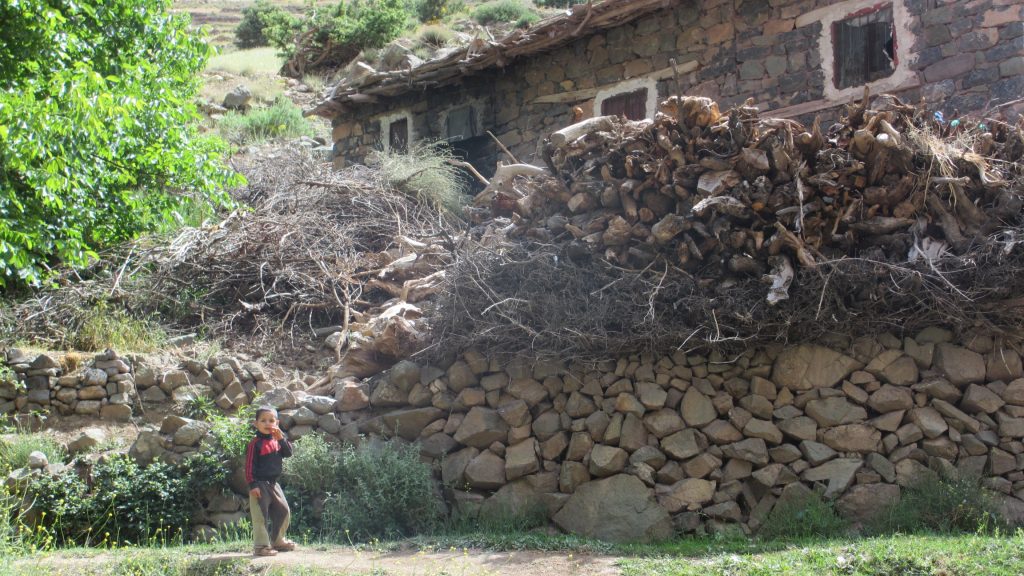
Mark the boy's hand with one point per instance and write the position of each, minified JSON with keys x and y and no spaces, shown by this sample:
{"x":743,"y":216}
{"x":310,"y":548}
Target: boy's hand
{"x":255,"y":493}
{"x":276,"y":434}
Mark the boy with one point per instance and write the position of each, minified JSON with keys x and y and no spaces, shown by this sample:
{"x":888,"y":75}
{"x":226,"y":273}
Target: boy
{"x":263,"y":461}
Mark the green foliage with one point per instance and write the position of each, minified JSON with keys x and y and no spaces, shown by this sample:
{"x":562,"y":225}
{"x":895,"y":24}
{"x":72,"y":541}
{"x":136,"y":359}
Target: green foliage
{"x":502,"y":11}
{"x":281,"y":120}
{"x":943,"y":505}
{"x":350,"y":26}
{"x":437,"y":10}
{"x":14,"y":451}
{"x":104,"y":326}
{"x":258,"y":18}
{"x":98,"y":133}
{"x":123,"y":503}
{"x":436,"y":36}
{"x":199,"y":407}
{"x":374,"y":490}
{"x":806,"y":517}
{"x":424,"y":172}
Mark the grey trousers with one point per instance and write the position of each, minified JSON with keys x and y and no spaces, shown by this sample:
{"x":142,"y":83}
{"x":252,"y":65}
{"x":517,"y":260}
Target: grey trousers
{"x":270,"y":506}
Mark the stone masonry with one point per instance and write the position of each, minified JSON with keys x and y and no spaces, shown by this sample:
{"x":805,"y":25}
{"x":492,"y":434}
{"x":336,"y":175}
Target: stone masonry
{"x":965,"y":56}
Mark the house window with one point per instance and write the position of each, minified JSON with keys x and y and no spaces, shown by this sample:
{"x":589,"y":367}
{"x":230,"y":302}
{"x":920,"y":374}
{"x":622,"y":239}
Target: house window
{"x":398,"y":136}
{"x":632,"y":105}
{"x":461,"y":124}
{"x":864,"y":47}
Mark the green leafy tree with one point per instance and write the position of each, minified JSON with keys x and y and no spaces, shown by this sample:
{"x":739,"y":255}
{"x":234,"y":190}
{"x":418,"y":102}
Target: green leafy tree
{"x":98,"y":134}
{"x":260,"y":22}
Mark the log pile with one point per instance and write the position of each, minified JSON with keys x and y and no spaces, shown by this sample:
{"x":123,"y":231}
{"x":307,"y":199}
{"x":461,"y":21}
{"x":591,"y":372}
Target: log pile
{"x":723,"y":200}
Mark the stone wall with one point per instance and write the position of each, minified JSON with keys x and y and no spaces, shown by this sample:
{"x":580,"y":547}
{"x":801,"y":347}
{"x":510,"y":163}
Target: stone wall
{"x":958,"y":55}
{"x":642,"y":446}
{"x":111,"y":385}
{"x":106,"y":389}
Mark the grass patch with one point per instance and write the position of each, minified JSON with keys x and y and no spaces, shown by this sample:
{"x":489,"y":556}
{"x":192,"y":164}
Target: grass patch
{"x":887,"y":556}
{"x":806,"y":517}
{"x":249,"y":63}
{"x":942,"y":505}
{"x":14,"y":450}
{"x":435,"y":36}
{"x":504,"y":11}
{"x":104,"y":326}
{"x":281,"y":120}
{"x":425,"y":172}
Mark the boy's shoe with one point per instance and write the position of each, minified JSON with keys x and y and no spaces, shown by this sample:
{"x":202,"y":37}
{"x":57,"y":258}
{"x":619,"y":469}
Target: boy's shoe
{"x":264,"y":551}
{"x":284,"y":546}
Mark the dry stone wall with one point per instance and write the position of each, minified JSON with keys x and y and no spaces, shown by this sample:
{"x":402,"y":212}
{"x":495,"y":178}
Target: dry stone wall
{"x":697,"y":442}
{"x":105,"y":389}
{"x":644,"y":446}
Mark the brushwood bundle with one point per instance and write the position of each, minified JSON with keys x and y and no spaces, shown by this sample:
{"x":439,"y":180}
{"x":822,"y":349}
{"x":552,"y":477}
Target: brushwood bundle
{"x":700,"y":228}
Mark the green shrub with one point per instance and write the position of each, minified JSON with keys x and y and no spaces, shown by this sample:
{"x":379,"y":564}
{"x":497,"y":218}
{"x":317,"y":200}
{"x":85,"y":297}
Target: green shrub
{"x":98,"y":129}
{"x":257,"y":20}
{"x":425,"y":172}
{"x":124,"y":503}
{"x":436,"y":10}
{"x":374,"y":490}
{"x":502,"y":11}
{"x":805,"y":517}
{"x":15,"y":449}
{"x":941,"y":505}
{"x":436,"y":36}
{"x":283,"y":119}
{"x":527,"y":20}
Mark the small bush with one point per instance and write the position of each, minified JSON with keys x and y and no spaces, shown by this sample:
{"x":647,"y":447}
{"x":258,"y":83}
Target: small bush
{"x":425,"y":172}
{"x":527,"y":20}
{"x":375,"y":490}
{"x":941,"y":505}
{"x":435,"y":10}
{"x":806,"y":517}
{"x":436,"y":36}
{"x":502,"y":11}
{"x":257,"y":20}
{"x":123,"y":504}
{"x":281,"y":120}
{"x":14,"y":451}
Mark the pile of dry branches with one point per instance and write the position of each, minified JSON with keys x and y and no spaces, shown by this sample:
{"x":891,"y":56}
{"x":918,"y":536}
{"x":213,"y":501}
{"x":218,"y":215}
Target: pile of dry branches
{"x":313,"y":252}
{"x":701,"y":228}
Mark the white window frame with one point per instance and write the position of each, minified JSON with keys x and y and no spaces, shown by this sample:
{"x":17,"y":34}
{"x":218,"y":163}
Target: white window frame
{"x":625,"y":87}
{"x":904,"y":39}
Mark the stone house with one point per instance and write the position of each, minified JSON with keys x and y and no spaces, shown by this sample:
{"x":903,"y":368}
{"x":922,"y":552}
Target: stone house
{"x":793,"y":58}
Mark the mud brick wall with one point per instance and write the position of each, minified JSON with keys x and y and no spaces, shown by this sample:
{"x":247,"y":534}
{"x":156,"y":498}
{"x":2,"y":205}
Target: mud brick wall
{"x":960,"y":56}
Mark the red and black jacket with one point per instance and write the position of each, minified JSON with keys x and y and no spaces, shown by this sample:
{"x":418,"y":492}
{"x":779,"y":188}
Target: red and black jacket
{"x":263,"y":459}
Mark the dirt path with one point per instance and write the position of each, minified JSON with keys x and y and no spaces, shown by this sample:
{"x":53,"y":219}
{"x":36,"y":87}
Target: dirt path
{"x":454,"y":563}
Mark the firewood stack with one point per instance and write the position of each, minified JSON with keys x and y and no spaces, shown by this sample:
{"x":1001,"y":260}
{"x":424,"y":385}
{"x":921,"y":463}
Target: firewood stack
{"x":726,"y":196}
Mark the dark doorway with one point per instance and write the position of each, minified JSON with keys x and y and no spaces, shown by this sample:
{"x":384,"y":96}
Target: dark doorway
{"x":398,"y":136}
{"x":481,"y":153}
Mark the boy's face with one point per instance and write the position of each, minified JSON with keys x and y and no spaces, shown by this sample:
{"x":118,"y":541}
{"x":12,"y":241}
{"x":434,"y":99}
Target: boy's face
{"x":266,"y":422}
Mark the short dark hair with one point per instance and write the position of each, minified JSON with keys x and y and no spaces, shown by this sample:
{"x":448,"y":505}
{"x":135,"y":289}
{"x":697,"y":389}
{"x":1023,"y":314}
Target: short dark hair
{"x":263,"y":409}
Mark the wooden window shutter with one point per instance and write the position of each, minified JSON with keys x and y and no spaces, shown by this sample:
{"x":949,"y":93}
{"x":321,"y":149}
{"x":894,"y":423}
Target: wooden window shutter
{"x":632,"y":105}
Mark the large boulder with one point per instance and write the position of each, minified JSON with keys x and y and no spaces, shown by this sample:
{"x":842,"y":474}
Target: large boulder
{"x":687,"y":494}
{"x":865,"y":501}
{"x":618,"y":509}
{"x":481,"y":427}
{"x":409,"y":423}
{"x":808,"y":366}
{"x":515,"y":499}
{"x":959,"y":365}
